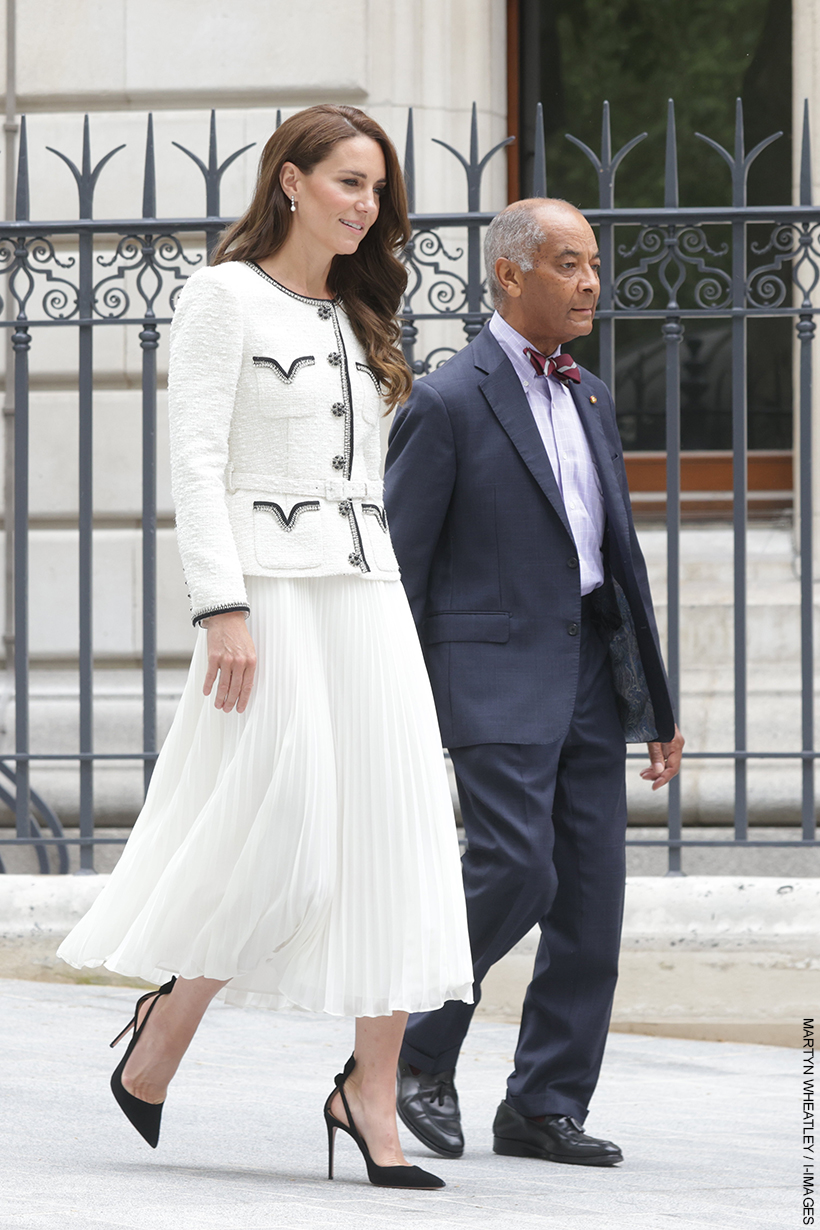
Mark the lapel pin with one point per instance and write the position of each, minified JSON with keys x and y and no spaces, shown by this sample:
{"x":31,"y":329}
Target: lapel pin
{"x":593,"y":400}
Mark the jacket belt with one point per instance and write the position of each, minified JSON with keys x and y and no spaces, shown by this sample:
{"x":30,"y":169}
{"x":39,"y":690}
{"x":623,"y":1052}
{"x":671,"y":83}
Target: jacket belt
{"x":330,"y":489}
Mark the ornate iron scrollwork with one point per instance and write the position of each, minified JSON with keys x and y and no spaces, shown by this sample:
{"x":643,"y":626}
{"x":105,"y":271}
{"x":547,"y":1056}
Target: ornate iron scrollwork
{"x":671,"y":251}
{"x":147,"y":257}
{"x":768,"y":286}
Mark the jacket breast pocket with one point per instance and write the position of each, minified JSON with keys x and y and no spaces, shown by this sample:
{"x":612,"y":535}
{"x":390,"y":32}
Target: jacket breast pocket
{"x":488,"y":626}
{"x":280,"y":381}
{"x":368,"y":395}
{"x":286,"y":539}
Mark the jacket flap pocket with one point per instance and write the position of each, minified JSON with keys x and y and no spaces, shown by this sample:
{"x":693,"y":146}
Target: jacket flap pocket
{"x":285,"y":372}
{"x":491,"y":626}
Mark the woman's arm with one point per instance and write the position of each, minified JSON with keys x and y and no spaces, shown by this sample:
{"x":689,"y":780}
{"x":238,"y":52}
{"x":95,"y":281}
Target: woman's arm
{"x":203,"y":374}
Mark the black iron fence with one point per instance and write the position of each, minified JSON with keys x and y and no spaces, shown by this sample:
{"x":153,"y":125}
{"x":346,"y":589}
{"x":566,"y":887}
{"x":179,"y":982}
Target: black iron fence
{"x":673,"y":265}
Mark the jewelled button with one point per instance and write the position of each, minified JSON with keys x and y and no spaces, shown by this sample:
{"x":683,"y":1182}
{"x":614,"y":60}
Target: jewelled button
{"x":338,"y":463}
{"x":355,"y":559}
{"x":325,"y":311}
{"x":338,"y":408}
{"x":334,"y":359}
{"x":344,"y":508}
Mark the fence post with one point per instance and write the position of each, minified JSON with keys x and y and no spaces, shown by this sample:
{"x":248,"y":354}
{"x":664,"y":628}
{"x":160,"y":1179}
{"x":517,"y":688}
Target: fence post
{"x":806,"y":330}
{"x":149,"y":341}
{"x":21,"y":341}
{"x":409,"y":332}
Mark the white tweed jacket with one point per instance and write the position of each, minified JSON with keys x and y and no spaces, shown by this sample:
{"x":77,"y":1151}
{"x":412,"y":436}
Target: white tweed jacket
{"x":275,"y":450}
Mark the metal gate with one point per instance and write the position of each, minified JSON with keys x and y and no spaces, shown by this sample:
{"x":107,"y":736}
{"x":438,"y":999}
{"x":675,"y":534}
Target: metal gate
{"x":669,"y":264}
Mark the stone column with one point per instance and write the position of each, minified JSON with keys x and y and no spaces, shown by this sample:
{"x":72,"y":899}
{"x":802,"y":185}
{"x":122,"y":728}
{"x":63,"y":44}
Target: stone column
{"x":440,"y":56}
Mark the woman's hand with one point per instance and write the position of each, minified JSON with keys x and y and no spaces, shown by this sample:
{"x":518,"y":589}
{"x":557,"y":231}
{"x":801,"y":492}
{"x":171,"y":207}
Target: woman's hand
{"x":232,"y":656}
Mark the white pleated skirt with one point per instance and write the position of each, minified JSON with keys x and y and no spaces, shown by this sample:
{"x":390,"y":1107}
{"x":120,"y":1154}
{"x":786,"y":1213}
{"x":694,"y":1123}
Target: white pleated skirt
{"x":304,"y":850}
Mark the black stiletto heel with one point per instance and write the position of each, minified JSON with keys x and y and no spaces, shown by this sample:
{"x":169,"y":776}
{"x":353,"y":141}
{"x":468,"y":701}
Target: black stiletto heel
{"x":331,"y":1141}
{"x":145,"y":1116}
{"x":381,"y":1176}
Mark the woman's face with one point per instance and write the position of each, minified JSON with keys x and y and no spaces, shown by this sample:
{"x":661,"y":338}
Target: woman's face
{"x":338,"y":201}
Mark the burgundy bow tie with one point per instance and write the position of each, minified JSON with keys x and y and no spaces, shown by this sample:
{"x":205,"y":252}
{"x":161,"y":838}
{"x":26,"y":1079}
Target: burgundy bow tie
{"x":563,"y":365}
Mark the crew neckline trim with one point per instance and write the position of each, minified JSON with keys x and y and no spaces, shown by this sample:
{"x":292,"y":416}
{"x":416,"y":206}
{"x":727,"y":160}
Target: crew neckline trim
{"x":285,"y":290}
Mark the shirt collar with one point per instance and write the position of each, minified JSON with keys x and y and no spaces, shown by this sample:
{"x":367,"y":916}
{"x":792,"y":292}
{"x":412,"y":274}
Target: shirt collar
{"x":514,"y":344}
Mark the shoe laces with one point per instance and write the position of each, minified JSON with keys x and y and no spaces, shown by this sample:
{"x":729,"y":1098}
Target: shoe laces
{"x":438,"y":1092}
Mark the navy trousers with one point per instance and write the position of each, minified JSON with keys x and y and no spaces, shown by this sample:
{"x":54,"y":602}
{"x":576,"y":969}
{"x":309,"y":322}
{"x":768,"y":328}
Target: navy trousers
{"x":545,"y":826}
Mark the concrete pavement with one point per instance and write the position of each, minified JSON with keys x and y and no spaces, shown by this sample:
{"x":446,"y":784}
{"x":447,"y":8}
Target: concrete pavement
{"x":710,"y":1132}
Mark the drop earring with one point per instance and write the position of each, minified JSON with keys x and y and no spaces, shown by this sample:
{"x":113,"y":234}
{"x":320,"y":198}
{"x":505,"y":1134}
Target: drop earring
{"x":293,"y":204}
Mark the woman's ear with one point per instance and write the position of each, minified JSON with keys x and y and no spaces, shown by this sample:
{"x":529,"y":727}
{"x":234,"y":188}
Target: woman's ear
{"x":289,"y":177}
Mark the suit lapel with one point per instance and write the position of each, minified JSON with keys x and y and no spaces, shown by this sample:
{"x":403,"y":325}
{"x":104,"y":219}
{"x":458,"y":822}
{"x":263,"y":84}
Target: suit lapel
{"x":507,"y":399}
{"x":602,"y":456}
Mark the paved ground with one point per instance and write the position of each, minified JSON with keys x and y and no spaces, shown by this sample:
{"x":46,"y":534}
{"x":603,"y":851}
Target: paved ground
{"x":710,"y":1132}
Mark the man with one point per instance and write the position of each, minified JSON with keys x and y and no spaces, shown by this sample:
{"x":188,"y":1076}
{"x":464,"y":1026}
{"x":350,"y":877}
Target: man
{"x":509,"y":511}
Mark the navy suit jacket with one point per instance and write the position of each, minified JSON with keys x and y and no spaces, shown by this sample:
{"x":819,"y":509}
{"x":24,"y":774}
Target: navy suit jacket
{"x":489,"y":563}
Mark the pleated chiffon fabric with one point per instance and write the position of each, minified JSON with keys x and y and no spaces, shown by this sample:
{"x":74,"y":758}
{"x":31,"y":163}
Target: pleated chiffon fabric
{"x":305,"y":849}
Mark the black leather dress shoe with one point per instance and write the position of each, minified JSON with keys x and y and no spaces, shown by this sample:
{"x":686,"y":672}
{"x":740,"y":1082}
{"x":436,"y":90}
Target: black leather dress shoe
{"x":558,"y":1139}
{"x":427,"y":1104}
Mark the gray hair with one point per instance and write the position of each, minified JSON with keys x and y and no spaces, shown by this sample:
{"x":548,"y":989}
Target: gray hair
{"x":516,"y":234}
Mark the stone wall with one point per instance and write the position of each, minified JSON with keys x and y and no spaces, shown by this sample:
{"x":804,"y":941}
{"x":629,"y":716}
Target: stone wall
{"x":118,"y":59}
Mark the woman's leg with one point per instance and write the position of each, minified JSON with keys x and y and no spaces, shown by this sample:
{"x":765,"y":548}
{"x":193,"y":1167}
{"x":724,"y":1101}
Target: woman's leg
{"x":371,"y":1087}
{"x":168,"y":1034}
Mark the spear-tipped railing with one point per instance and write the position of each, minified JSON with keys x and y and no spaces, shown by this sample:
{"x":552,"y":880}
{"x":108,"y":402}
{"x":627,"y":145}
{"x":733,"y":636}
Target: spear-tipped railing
{"x":666,"y":263}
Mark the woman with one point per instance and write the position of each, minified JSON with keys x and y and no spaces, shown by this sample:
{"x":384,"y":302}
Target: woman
{"x":297,"y":842}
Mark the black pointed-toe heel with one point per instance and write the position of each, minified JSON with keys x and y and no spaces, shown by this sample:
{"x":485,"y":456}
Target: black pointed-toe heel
{"x":381,"y":1176}
{"x":145,"y":1116}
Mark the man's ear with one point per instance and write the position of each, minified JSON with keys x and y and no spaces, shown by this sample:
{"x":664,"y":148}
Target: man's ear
{"x":510,"y":277}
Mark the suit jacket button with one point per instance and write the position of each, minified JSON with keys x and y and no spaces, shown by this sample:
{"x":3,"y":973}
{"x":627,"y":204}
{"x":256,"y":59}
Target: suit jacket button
{"x":572,"y":562}
{"x":573,"y":629}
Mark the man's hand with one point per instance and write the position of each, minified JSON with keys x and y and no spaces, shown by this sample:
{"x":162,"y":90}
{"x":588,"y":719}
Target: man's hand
{"x":664,"y":761}
{"x":232,"y":656}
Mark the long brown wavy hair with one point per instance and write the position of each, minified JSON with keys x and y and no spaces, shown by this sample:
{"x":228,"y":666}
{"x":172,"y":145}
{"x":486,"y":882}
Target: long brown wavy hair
{"x":370,"y":281}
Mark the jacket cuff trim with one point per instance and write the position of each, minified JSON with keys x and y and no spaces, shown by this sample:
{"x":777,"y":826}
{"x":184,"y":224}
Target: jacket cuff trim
{"x":221,"y":610}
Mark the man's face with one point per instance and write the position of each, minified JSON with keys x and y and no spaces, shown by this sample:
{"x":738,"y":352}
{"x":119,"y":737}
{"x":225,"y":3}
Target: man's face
{"x":559,"y":295}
